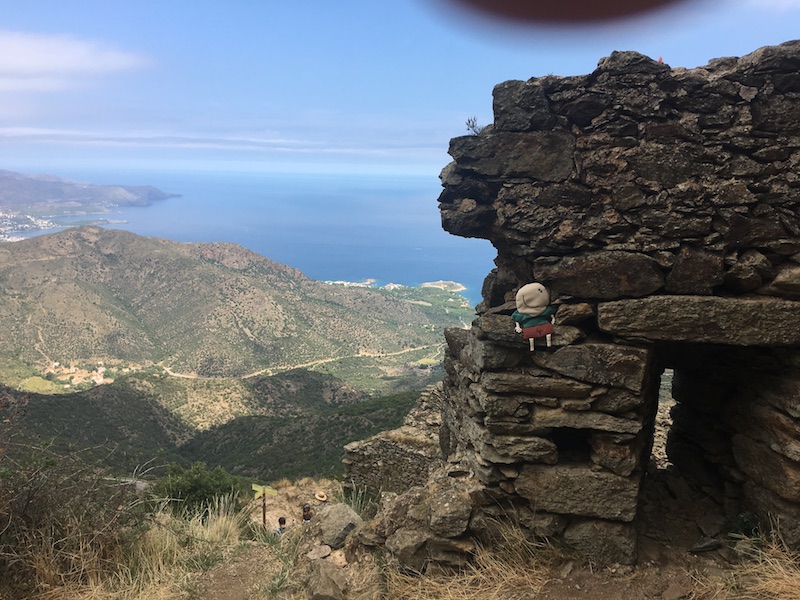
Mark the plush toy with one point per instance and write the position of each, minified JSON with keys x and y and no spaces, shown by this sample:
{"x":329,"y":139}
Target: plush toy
{"x":533,"y":314}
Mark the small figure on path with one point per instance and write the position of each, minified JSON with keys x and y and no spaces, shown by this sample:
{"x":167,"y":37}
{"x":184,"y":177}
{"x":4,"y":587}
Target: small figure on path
{"x":281,"y":526}
{"x":308,"y":514}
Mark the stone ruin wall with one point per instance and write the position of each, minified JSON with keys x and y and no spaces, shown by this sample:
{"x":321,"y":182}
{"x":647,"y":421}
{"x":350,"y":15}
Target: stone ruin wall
{"x":393,"y":461}
{"x":662,"y":209}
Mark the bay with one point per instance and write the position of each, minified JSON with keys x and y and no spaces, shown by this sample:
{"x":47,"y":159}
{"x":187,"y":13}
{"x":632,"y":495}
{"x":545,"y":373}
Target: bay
{"x":331,"y":227}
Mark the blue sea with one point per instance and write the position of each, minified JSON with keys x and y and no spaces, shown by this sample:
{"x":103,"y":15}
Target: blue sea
{"x":331,"y":227}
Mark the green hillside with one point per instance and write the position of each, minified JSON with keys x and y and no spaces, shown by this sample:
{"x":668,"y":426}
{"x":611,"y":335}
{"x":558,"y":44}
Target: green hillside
{"x":203,"y":403}
{"x":271,"y":448}
{"x":114,"y":426}
{"x":89,"y":295}
{"x":299,"y":431}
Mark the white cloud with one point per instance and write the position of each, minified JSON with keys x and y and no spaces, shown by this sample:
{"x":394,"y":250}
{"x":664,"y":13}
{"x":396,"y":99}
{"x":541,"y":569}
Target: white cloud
{"x":44,"y":63}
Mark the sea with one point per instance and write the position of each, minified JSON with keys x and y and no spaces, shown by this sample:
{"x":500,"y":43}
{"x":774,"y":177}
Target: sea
{"x":352,"y":228}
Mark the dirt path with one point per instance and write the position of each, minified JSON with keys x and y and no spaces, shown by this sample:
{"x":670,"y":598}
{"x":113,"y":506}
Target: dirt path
{"x":322,"y":361}
{"x":275,"y":370}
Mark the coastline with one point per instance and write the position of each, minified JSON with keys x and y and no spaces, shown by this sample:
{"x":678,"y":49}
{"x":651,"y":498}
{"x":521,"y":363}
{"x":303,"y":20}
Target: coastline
{"x":447,"y":286}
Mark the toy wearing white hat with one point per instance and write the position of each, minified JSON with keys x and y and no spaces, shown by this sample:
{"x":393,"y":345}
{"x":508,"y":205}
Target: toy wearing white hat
{"x":533,"y":316}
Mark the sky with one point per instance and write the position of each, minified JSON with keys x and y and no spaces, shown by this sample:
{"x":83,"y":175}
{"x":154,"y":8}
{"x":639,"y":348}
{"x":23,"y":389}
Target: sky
{"x":309,"y":86}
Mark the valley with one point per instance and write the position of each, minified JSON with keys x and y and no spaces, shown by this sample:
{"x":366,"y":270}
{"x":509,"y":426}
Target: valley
{"x":133,"y":350}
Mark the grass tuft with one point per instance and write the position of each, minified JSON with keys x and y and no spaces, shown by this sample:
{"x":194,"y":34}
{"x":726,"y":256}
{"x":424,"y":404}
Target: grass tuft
{"x":514,"y":563}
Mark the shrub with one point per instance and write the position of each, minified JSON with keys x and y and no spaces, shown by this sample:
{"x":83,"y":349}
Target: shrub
{"x":473,"y":127}
{"x":193,"y":489}
{"x":63,"y":522}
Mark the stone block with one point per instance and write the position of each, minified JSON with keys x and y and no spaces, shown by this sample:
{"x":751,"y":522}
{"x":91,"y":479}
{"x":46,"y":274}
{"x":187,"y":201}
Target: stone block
{"x":603,"y":274}
{"x":569,"y":314}
{"x":615,"y":400}
{"x":695,"y":272}
{"x":781,"y":391}
{"x":513,"y":449}
{"x":710,"y":320}
{"x":767,"y":424}
{"x":482,"y":355}
{"x":579,"y":489}
{"x":603,"y":540}
{"x":449,"y":554}
{"x":539,"y":155}
{"x":502,"y":405}
{"x":409,"y":547}
{"x":555,"y":418}
{"x":604,"y":364}
{"x":773,"y":510}
{"x":498,"y":328}
{"x":535,"y":384}
{"x":521,"y":106}
{"x":619,"y":454}
{"x":450,"y":506}
{"x":457,"y":338}
{"x":767,"y":468}
{"x":786,"y":281}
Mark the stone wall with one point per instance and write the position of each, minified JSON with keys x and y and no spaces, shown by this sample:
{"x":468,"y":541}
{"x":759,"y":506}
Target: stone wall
{"x":662,"y":209}
{"x":393,"y":461}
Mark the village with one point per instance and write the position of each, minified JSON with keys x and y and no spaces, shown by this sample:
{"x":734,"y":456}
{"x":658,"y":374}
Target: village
{"x":72,"y":376}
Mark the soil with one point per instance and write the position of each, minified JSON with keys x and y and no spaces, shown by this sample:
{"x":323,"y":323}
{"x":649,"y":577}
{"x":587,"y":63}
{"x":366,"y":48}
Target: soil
{"x":681,"y":556}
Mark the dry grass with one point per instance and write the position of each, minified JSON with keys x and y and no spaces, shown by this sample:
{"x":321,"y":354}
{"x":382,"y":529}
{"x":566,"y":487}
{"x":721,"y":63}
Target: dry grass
{"x":769,"y":571}
{"x":164,"y":560}
{"x":512,"y":566}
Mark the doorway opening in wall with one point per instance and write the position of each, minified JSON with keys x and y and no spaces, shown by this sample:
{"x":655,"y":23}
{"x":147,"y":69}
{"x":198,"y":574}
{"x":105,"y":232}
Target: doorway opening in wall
{"x":680,"y":501}
{"x":658,"y":454}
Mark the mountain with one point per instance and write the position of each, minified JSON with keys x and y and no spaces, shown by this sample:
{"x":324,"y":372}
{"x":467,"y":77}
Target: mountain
{"x":90,"y":295}
{"x":46,"y":195}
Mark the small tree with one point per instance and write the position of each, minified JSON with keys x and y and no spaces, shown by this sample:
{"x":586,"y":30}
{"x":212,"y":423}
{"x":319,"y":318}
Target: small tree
{"x":195,"y":488}
{"x":473,"y":127}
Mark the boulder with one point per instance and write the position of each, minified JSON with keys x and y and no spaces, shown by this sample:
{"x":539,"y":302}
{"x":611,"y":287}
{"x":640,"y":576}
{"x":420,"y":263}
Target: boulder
{"x":328,"y":581}
{"x":409,"y":547}
{"x":336,"y":522}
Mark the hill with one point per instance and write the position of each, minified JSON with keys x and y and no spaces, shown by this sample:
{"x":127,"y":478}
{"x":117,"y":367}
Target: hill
{"x":115,"y":426}
{"x":291,"y":425}
{"x":50,"y":196}
{"x":90,"y":295}
{"x":295,"y":446}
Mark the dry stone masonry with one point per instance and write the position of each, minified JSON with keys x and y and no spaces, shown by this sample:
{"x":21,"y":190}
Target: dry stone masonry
{"x":662,"y":208}
{"x":393,"y":461}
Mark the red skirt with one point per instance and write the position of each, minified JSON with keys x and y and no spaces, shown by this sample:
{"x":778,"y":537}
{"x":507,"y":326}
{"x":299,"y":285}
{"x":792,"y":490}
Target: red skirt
{"x":537,"y":331}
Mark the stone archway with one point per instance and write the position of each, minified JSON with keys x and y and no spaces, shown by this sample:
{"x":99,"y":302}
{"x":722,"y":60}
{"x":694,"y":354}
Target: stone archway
{"x":662,"y":209}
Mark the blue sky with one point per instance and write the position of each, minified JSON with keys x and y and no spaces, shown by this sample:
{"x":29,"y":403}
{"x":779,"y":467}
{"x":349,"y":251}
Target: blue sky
{"x":358,"y":86}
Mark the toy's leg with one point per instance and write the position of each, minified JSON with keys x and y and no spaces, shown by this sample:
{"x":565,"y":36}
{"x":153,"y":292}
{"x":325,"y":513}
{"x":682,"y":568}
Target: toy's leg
{"x":533,"y":347}
{"x":549,"y":340}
